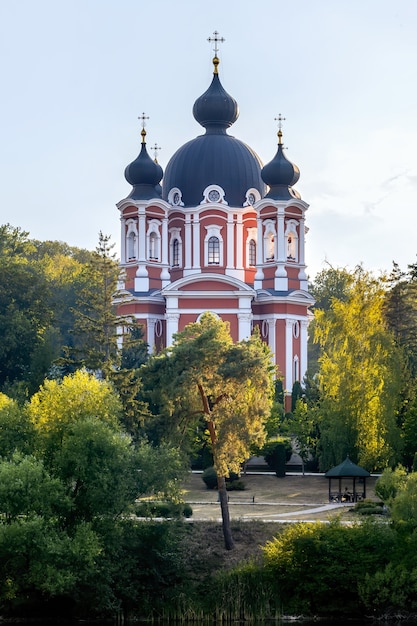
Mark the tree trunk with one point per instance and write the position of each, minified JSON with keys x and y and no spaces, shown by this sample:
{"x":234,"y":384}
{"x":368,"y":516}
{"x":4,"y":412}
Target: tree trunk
{"x":229,"y":544}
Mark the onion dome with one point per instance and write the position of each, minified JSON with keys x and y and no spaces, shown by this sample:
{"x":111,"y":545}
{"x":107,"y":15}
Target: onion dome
{"x":144,"y":175}
{"x":280,"y":175}
{"x":214,"y":158}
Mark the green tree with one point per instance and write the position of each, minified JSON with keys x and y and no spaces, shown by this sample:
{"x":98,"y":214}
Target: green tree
{"x":99,"y":467}
{"x":360,"y":378}
{"x":16,"y":430}
{"x":25,"y":317}
{"x":96,"y":323}
{"x":303,"y":426}
{"x":230,"y":385}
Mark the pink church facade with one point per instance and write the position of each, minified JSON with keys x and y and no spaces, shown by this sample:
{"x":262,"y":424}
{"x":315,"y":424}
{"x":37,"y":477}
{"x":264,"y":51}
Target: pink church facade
{"x":223,"y":234}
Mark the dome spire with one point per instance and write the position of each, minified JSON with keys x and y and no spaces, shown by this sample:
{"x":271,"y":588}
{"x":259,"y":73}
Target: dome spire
{"x":144,"y":174}
{"x":280,"y":174}
{"x":279,"y":119}
{"x":216,"y":110}
{"x":142,"y":118}
{"x":216,"y":40}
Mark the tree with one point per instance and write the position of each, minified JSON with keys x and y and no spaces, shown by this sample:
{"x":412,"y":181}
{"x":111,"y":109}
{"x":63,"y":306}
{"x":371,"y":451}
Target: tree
{"x":96,"y":323}
{"x":17,"y":432}
{"x":230,"y":385}
{"x":24,"y":313}
{"x":303,"y":427}
{"x":360,"y":378}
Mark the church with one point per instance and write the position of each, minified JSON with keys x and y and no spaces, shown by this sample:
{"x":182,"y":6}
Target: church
{"x":217,"y":231}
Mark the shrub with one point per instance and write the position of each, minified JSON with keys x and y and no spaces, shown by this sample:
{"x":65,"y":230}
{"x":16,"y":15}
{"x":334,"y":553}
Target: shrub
{"x":309,"y":559}
{"x":369,"y":507}
{"x":276,"y":454}
{"x":235,"y":485}
{"x":209,"y":476}
{"x":163,"y":509}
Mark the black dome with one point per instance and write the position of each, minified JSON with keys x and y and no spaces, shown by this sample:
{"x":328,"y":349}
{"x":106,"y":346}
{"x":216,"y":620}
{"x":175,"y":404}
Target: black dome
{"x":144,"y":175}
{"x":216,"y":108}
{"x":215,"y":158}
{"x":280,"y":174}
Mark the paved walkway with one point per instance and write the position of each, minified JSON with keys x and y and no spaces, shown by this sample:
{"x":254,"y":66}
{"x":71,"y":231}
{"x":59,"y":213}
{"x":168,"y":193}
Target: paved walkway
{"x":247,"y":511}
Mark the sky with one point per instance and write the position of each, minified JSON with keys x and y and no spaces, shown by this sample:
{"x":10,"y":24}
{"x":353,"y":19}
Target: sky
{"x":76,"y":74}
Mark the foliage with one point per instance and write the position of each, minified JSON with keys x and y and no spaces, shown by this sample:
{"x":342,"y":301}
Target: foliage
{"x":277,"y":453}
{"x":77,"y":396}
{"x":403,"y":506}
{"x":16,"y":430}
{"x":26,"y":489}
{"x":303,"y":426}
{"x":389,"y":483}
{"x":24,"y":313}
{"x":204,"y":375}
{"x":209,"y":477}
{"x":309,"y":559}
{"x":162,"y":470}
{"x":96,"y":323}
{"x":360,"y":379}
{"x":167,"y":509}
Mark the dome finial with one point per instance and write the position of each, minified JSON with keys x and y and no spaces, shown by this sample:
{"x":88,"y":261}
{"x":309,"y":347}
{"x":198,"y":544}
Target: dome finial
{"x":143,"y":117}
{"x":279,"y":119}
{"x":216,"y":40}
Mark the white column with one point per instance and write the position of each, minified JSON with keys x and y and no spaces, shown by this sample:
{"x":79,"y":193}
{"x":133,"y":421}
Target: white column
{"x":230,"y":262}
{"x":196,"y":242}
{"x":302,"y":277}
{"x":281,"y":281}
{"x":122,"y":240}
{"x":141,"y":279}
{"x":172,"y":320}
{"x":272,"y":338}
{"x":187,"y":243}
{"x":303,"y":348}
{"x":165,"y":275}
{"x":245,"y":325}
{"x":259,"y":275}
{"x":239,"y":242}
{"x":288,"y":354}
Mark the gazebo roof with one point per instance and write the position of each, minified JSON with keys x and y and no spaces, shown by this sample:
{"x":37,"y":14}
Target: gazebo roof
{"x":346,"y":469}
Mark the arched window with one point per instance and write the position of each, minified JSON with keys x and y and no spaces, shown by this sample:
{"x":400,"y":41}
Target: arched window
{"x":270,"y":247}
{"x":292,"y":240}
{"x":296,"y":368}
{"x":213,"y":251}
{"x":131,"y":245}
{"x":252,"y":252}
{"x":153,"y":247}
{"x":175,"y":253}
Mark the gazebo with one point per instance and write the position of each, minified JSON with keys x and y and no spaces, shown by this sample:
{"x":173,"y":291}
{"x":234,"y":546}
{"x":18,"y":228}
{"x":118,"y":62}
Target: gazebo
{"x":351,"y":473}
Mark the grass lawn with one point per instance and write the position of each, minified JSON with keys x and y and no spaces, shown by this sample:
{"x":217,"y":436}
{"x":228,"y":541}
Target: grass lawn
{"x":273,"y":499}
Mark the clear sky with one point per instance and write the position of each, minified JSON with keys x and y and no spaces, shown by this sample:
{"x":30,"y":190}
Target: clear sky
{"x":76,"y":74}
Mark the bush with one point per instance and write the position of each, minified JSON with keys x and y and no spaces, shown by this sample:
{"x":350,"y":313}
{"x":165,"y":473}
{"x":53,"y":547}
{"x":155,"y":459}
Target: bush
{"x":276,"y":454}
{"x":235,"y":485}
{"x":369,"y":507}
{"x":163,"y":509}
{"x":209,"y":476}
{"x":309,"y":559}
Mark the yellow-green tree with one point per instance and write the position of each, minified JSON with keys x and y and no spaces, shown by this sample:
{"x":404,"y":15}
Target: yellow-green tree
{"x":360,"y":378}
{"x":205,"y":375}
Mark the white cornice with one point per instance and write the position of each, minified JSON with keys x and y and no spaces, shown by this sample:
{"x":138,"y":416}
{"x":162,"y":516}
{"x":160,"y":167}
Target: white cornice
{"x":127,"y":202}
{"x":281,"y":204}
{"x":298,"y":296}
{"x":239,"y":288}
